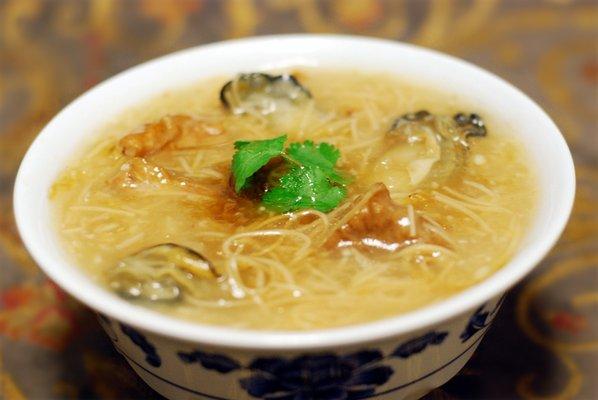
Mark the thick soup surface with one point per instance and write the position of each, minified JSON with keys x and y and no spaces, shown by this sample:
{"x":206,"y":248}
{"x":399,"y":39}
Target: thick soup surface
{"x":429,"y":204}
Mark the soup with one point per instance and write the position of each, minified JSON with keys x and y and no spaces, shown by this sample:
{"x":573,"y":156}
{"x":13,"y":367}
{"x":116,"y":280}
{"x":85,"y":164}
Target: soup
{"x":297,"y":201}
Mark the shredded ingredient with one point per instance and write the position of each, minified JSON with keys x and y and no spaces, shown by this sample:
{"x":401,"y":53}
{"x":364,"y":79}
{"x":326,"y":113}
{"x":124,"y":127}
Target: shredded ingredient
{"x":174,"y":132}
{"x":399,"y":249}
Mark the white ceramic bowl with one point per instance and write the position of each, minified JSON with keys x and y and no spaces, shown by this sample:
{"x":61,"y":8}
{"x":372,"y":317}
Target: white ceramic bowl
{"x":401,"y":357}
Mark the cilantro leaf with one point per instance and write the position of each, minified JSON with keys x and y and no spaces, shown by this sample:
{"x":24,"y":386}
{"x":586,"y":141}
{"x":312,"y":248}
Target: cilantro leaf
{"x":322,"y":156}
{"x":251,"y":156}
{"x":309,"y":178}
{"x":304,"y":187}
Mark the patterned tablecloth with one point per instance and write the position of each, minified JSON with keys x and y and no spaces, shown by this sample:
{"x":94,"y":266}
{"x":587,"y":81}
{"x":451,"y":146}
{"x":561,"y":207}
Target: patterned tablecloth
{"x":544,"y":341}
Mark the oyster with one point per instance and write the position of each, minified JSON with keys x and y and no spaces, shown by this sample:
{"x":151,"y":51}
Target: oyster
{"x":263,"y":94}
{"x":423,"y":149}
{"x":158,"y":273}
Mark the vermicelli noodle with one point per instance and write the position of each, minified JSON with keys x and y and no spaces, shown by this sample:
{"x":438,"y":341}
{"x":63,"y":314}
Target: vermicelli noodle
{"x":308,"y":268}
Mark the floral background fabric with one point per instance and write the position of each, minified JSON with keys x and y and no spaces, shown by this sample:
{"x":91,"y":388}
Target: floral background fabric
{"x":544,"y":342}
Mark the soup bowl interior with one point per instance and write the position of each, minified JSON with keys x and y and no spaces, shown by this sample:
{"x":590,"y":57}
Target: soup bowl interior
{"x":77,"y":123}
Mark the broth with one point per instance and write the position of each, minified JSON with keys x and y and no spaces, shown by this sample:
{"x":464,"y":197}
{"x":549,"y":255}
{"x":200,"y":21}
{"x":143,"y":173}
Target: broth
{"x":303,"y":269}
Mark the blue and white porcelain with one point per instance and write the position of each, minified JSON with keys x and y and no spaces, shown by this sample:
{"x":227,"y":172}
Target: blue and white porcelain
{"x":403,"y":367}
{"x":402,"y":357}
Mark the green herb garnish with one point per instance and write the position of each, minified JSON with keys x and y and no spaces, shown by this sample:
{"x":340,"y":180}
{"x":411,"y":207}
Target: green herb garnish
{"x":322,"y":156}
{"x":304,"y":187}
{"x":310,"y":181}
{"x":251,"y":156}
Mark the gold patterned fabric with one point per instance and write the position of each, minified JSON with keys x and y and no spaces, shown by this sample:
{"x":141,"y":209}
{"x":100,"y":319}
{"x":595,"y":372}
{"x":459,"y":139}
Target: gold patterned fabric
{"x":544,"y":342}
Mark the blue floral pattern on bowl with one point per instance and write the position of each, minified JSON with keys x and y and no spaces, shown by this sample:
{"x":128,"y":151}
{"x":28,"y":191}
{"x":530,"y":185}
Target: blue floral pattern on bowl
{"x":476,"y":323}
{"x":151,"y":355}
{"x":479,"y":320}
{"x":419,"y":344}
{"x":324,"y":376}
{"x":217,"y":362}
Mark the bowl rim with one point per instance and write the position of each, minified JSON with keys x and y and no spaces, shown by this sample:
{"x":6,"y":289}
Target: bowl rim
{"x":106,"y":303}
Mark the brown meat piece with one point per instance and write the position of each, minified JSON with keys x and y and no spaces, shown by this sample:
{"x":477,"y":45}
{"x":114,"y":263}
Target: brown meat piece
{"x":138,"y":173}
{"x":223,"y":204}
{"x":232,"y":208}
{"x":172,"y":132}
{"x":381,"y":224}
